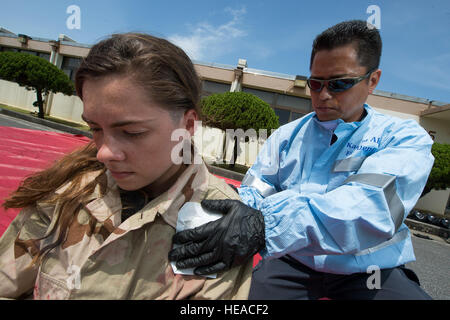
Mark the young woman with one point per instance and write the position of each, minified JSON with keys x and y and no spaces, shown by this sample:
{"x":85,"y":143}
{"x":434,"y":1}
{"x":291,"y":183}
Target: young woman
{"x":98,"y":224}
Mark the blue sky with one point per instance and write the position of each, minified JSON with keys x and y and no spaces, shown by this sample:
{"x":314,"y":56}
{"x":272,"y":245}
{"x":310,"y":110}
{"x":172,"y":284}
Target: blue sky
{"x":272,"y":35}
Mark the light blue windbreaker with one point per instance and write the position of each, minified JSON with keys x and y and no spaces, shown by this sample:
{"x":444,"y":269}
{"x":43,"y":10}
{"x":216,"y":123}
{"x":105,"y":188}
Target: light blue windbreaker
{"x":340,"y":208}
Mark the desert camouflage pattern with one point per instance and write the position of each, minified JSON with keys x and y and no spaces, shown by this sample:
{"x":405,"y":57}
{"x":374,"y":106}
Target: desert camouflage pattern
{"x":104,"y":257}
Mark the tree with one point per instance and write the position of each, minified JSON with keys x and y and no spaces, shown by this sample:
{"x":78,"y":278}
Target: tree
{"x":34,"y":73}
{"x":439,"y":178}
{"x":238,"y":110}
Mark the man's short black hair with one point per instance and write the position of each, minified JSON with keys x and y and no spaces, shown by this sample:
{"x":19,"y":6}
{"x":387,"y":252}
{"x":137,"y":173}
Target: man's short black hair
{"x":365,"y":37}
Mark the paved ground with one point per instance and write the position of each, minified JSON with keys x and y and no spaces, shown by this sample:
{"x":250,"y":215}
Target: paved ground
{"x":432,"y":265}
{"x":9,"y":121}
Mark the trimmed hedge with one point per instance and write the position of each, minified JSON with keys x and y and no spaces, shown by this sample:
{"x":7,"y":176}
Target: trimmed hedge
{"x":34,"y":73}
{"x":238,"y":110}
{"x":439,"y":178}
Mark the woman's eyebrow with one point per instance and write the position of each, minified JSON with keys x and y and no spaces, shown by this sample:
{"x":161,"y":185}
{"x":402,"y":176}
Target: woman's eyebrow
{"x":119,"y":123}
{"x":87,"y":120}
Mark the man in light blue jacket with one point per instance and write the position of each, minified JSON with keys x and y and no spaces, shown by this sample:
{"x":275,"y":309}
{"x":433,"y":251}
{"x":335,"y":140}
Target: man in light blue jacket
{"x":327,"y":197}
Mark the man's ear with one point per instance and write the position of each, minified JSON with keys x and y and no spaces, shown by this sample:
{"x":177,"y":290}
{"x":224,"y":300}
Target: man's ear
{"x":189,"y":119}
{"x":374,"y":79}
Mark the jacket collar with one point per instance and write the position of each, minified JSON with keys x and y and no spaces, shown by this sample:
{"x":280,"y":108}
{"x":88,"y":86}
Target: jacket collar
{"x":344,"y":126}
{"x":190,"y":186}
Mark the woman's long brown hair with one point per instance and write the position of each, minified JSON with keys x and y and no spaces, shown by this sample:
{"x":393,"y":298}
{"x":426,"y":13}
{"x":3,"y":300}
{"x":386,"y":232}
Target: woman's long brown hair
{"x":162,"y":69}
{"x":42,"y":186}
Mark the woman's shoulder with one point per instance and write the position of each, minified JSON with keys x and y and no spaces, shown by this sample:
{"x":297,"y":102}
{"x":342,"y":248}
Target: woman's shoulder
{"x":46,"y":206}
{"x":84,"y":181}
{"x":218,"y":189}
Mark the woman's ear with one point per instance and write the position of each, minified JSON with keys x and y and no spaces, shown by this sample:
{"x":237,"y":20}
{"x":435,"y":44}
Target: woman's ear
{"x":189,"y":121}
{"x":374,"y":79}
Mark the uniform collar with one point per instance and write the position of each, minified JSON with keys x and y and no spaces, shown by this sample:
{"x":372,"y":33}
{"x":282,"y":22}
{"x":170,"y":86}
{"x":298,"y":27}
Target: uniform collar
{"x":339,"y":124}
{"x":328,"y":125}
{"x":190,"y":186}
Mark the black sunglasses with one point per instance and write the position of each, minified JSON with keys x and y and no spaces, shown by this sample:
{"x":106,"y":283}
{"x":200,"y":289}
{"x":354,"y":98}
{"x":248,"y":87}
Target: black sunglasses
{"x":335,"y":85}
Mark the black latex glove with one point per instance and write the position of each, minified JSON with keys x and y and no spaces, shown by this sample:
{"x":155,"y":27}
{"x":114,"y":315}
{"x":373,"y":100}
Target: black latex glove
{"x":222,"y":244}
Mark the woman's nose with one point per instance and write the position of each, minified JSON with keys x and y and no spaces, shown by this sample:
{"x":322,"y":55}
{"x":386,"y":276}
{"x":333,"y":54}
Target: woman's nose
{"x":109,"y":152}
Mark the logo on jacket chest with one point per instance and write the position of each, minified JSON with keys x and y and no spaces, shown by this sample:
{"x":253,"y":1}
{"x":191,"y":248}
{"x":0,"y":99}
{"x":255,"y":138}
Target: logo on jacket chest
{"x":367,"y":146}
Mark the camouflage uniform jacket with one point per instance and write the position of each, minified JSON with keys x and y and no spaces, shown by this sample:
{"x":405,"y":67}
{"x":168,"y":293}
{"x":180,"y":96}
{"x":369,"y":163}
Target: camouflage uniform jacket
{"x":103,"y":257}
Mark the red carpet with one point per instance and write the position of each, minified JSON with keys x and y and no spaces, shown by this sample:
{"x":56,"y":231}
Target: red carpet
{"x":23,"y":152}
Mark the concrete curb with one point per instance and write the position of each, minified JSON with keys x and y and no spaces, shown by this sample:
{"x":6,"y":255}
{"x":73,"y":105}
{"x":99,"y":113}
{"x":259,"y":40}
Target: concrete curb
{"x":225,"y":173}
{"x":428,"y":228}
{"x":45,"y":122}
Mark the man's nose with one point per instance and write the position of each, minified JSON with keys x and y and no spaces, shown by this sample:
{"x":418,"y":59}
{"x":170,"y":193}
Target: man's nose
{"x":108,"y":151}
{"x":324,"y":93}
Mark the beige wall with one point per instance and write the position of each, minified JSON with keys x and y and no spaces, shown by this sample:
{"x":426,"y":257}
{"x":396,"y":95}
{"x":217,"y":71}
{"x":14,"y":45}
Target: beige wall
{"x":64,"y":107}
{"x":396,"y":105}
{"x":73,"y":51}
{"x":440,"y":127}
{"x":31,"y":44}
{"x":215,"y":74}
{"x":210,"y":143}
{"x":434,"y":201}
{"x":278,"y":85}
{"x":14,"y":95}
{"x":67,"y":107}
{"x":217,"y":146}
{"x":397,"y":114}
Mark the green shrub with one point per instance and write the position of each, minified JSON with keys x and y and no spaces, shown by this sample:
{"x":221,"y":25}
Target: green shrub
{"x":439,"y":178}
{"x":238,"y":110}
{"x":34,"y":73}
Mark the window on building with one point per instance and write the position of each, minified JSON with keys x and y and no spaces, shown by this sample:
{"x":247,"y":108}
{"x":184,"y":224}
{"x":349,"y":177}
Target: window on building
{"x":69,"y":66}
{"x":33,"y":53}
{"x":44,"y":55}
{"x":302,"y":105}
{"x":296,"y":115}
{"x":211,"y":87}
{"x":283,"y":115}
{"x":4,"y":49}
{"x":263,"y":95}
